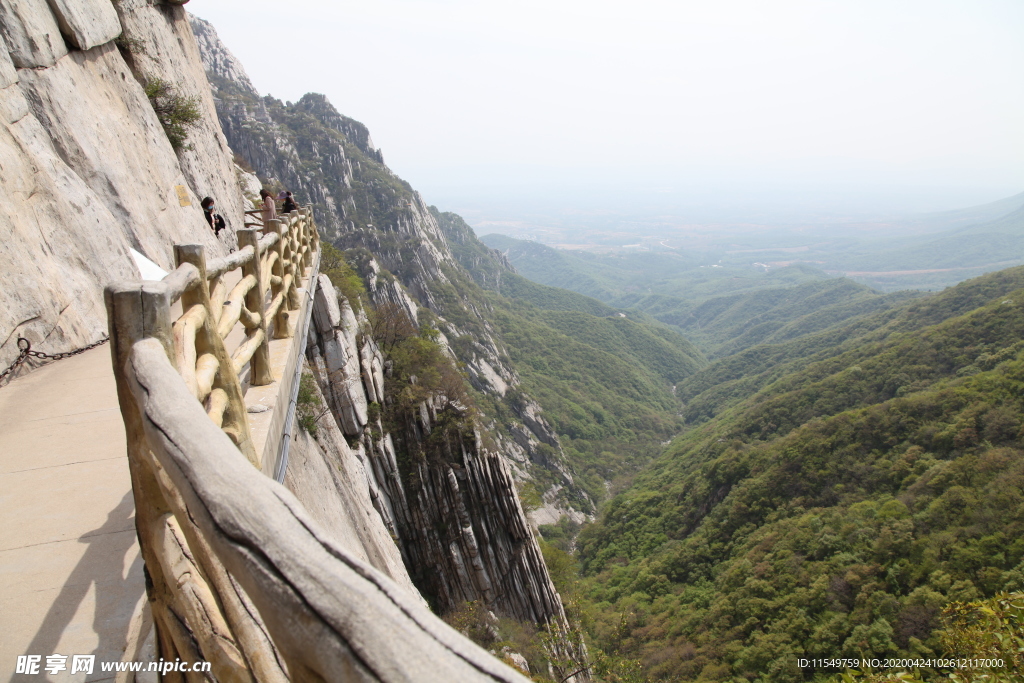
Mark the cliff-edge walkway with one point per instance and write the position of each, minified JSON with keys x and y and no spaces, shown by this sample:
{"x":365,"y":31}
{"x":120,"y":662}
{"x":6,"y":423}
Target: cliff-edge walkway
{"x":69,"y":557}
{"x":242,"y":584}
{"x":70,"y":562}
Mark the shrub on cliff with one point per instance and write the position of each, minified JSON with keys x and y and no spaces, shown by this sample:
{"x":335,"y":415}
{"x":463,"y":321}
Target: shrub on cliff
{"x":176,"y":112}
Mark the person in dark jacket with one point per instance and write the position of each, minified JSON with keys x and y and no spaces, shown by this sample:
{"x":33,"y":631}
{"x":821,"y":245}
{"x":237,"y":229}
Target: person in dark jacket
{"x":289,"y":203}
{"x":215,"y":220}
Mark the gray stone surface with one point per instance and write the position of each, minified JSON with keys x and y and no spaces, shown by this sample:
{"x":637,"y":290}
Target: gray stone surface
{"x":8,"y":73}
{"x":31,"y":33}
{"x":86,"y":23}
{"x":169,"y":52}
{"x":330,"y":481}
{"x":101,"y":122}
{"x":62,"y":244}
{"x":217,"y":58}
{"x":337,"y":358}
{"x":88,"y":171}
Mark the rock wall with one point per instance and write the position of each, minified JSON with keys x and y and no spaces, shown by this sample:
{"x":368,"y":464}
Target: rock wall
{"x":87,"y":169}
{"x":450,"y":503}
{"x":331,"y":482}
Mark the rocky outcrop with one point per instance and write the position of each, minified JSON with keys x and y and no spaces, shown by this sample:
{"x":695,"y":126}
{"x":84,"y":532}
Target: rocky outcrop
{"x":473,"y":541}
{"x":450,"y":502}
{"x":331,"y":482}
{"x":217,"y":58}
{"x":339,"y":359}
{"x":87,"y":170}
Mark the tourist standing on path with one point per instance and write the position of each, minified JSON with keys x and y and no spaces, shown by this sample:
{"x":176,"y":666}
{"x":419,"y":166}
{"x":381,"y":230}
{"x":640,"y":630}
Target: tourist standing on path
{"x":269,"y":210}
{"x":289,"y":203}
{"x":215,"y":220}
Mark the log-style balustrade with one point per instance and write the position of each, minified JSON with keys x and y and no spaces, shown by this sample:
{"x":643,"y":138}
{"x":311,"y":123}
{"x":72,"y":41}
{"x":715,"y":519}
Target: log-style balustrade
{"x":237,"y":573}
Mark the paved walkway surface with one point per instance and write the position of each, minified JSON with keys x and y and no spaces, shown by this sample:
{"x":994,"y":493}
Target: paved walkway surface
{"x":69,"y":559}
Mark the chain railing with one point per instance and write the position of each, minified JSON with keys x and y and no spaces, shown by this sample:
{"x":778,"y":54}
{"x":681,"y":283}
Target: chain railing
{"x":25,"y":352}
{"x":237,"y":573}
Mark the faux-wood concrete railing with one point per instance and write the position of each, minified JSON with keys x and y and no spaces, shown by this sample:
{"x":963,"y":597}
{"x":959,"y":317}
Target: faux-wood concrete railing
{"x":237,"y":573}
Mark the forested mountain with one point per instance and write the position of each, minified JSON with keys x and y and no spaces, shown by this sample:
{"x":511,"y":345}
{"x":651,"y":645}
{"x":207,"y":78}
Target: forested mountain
{"x":625,"y":278}
{"x":725,"y":325}
{"x":605,"y":380}
{"x":833,"y":493}
{"x":723,"y":310}
{"x":493,"y":383}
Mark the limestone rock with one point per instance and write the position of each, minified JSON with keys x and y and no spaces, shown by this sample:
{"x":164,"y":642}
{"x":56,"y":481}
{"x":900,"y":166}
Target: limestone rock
{"x":169,"y":52}
{"x":387,"y":291}
{"x":8,"y":73}
{"x":336,"y":325}
{"x":518,"y":661}
{"x":326,"y":309}
{"x":372,"y":363}
{"x":13,"y":105}
{"x":100,"y":119}
{"x":31,"y":33}
{"x":61,"y":243}
{"x":331,"y":482}
{"x":217,"y":58}
{"x":485,"y":377}
{"x":88,"y":171}
{"x":530,"y":413}
{"x":86,"y":23}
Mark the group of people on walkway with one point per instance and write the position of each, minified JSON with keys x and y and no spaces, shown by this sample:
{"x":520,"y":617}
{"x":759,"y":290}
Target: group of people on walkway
{"x":268,"y":209}
{"x":268,"y":206}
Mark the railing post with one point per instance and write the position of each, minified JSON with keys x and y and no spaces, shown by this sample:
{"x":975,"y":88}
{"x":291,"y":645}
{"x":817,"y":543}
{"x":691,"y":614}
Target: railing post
{"x":294,"y":263}
{"x":312,"y":226}
{"x":307,"y":242}
{"x":136,"y":311}
{"x":255,"y":300}
{"x":280,"y":270}
{"x":236,"y":420}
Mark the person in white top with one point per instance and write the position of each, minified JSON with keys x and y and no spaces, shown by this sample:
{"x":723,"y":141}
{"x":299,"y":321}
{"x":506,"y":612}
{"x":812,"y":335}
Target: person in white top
{"x":269,"y":209}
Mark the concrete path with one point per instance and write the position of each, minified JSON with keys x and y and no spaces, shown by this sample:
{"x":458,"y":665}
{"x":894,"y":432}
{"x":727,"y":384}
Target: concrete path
{"x":70,"y":569}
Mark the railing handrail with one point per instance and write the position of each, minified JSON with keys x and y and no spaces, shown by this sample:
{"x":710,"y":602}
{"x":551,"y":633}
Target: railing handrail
{"x":330,"y":615}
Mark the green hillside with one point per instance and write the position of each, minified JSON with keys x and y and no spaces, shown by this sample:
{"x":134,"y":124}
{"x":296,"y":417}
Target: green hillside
{"x":726,"y":325}
{"x":846,"y":489}
{"x":723,"y":310}
{"x":994,"y":241}
{"x":647,"y":280}
{"x":605,"y":381}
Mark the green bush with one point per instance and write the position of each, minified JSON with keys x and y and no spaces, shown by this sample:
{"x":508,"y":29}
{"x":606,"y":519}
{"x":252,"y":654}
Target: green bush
{"x":176,"y":112}
{"x":335,"y":265}
{"x":309,"y":407}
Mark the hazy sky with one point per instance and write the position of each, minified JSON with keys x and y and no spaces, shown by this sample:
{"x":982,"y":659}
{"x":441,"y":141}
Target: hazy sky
{"x":921,"y":97}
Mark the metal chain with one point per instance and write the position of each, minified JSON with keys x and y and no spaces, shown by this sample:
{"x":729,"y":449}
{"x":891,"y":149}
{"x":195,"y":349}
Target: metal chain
{"x":25,"y":346}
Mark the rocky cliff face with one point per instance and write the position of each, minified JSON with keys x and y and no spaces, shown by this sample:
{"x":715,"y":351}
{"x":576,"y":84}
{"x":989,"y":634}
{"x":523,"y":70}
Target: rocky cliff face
{"x":449,"y":501}
{"x":441,"y":475}
{"x":87,"y":169}
{"x":360,"y":205}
